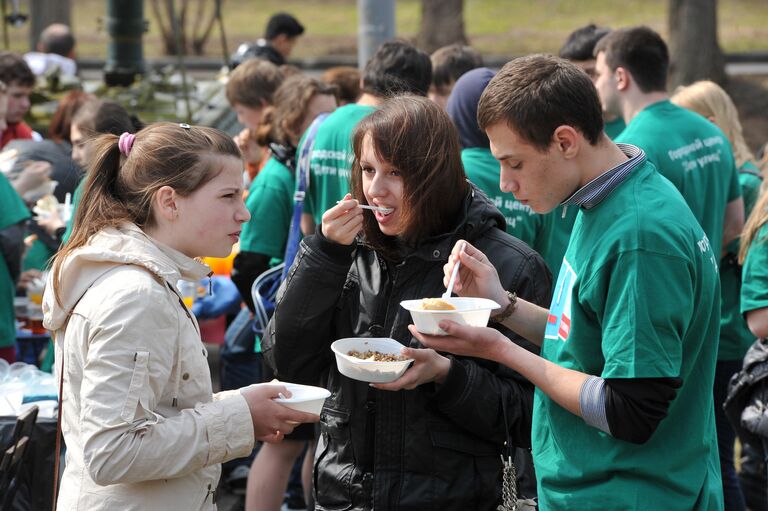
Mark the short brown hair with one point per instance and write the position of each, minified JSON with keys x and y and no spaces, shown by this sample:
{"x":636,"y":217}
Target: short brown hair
{"x":15,"y":71}
{"x":642,"y":52}
{"x":120,"y":188}
{"x":534,"y":95}
{"x":450,"y":62}
{"x":416,"y":137}
{"x":253,"y":83}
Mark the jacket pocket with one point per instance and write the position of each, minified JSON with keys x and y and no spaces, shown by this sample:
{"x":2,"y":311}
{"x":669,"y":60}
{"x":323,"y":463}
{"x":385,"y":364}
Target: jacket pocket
{"x":137,"y":388}
{"x":335,"y":461}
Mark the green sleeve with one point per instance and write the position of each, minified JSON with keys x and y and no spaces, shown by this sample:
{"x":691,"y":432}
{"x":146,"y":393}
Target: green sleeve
{"x":13,"y":209}
{"x":642,"y":301}
{"x":754,"y":274}
{"x":271,"y":207}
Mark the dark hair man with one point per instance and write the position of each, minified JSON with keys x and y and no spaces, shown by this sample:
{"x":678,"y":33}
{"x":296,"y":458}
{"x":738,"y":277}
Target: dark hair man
{"x":397,"y":67}
{"x":624,"y":413}
{"x":280,"y":36}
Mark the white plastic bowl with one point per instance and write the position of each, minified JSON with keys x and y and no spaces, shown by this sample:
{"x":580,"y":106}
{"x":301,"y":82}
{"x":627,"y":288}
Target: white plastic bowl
{"x":369,"y":370}
{"x":469,"y":311}
{"x":304,"y":398}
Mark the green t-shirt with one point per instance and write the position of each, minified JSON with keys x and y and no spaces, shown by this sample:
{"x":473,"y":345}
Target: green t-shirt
{"x":12,"y":211}
{"x":270,"y":202}
{"x":37,"y":257}
{"x":75,"y":203}
{"x":694,"y":154}
{"x":637,"y":297}
{"x":557,"y":224}
{"x":331,"y":159}
{"x":483,"y":170}
{"x":556,"y":231}
{"x":754,"y":274}
{"x":614,"y":128}
{"x":735,"y":337}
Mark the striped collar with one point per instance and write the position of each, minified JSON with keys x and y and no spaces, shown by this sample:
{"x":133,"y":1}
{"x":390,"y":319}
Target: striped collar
{"x":592,"y":193}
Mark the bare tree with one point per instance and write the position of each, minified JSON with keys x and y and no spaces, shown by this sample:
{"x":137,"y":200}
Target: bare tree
{"x":194,"y":34}
{"x":442,"y":23}
{"x":694,"y":51}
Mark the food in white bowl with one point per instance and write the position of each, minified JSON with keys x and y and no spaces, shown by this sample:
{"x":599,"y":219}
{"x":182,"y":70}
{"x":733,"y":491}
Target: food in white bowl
{"x":304,"y":398}
{"x":368,"y":369}
{"x":468,"y":311}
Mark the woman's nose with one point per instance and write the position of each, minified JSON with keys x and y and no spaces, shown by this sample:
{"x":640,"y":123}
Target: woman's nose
{"x":377,"y":187}
{"x":243,"y":215}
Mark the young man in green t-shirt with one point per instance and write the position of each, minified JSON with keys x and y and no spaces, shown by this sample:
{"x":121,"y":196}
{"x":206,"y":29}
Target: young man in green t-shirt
{"x":397,"y":67}
{"x":623,"y":414}
{"x":632,"y":65}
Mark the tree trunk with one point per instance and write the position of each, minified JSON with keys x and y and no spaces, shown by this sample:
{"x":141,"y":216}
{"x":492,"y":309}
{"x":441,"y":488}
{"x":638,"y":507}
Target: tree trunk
{"x":694,"y":51}
{"x":442,"y":23}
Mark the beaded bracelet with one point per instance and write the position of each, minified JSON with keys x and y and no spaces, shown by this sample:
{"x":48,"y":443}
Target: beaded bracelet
{"x":508,"y":310}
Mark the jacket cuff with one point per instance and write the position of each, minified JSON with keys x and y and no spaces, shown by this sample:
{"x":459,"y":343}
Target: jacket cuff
{"x":455,"y":384}
{"x":229,"y":426}
{"x":331,"y":249}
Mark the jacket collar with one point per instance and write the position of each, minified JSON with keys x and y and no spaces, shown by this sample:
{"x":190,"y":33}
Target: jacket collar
{"x":478,"y":214}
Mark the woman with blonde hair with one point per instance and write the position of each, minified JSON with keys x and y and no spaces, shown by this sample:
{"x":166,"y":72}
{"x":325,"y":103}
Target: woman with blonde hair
{"x":711,"y":101}
{"x":142,"y":426}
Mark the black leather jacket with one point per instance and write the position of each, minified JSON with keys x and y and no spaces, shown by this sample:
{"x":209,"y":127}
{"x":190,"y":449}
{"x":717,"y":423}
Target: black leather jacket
{"x":433,"y":448}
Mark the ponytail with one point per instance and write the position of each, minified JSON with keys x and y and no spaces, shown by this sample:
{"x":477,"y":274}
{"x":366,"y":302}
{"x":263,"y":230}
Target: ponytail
{"x":102,"y":207}
{"x":266,"y":134}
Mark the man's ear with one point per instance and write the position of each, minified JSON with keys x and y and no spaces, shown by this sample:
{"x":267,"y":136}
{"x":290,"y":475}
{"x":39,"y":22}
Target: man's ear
{"x":165,"y":203}
{"x":623,"y":78}
{"x":566,"y":138}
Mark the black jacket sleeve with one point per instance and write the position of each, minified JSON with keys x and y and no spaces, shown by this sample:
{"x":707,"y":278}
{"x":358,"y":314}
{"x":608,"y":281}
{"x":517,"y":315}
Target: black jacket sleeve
{"x":298,"y":339}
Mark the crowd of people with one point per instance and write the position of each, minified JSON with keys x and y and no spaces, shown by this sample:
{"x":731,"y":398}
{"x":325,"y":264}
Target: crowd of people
{"x":620,"y":227}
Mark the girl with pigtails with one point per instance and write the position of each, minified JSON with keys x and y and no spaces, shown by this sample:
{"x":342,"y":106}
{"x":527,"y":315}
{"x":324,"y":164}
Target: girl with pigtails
{"x":142,"y":426}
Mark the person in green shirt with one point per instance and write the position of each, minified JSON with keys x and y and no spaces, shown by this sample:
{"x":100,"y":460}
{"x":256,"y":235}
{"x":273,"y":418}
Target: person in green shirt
{"x":297,"y":102}
{"x":13,"y":213}
{"x":396,"y":68}
{"x":623,"y":414}
{"x":480,"y":166}
{"x":632,"y":66}
{"x":753,"y":254}
{"x":92,"y":119}
{"x":709,"y":100}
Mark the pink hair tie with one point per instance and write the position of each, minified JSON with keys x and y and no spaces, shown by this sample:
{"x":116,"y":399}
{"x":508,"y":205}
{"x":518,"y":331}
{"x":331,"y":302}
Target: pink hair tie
{"x":125,"y":143}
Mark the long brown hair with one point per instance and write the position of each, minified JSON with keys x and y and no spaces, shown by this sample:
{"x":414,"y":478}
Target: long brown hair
{"x":416,"y":137}
{"x":120,"y":189}
{"x":61,"y":123}
{"x":281,"y":123}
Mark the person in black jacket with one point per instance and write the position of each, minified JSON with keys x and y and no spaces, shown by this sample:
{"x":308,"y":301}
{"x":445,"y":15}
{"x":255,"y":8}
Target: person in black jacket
{"x":432,"y":439}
